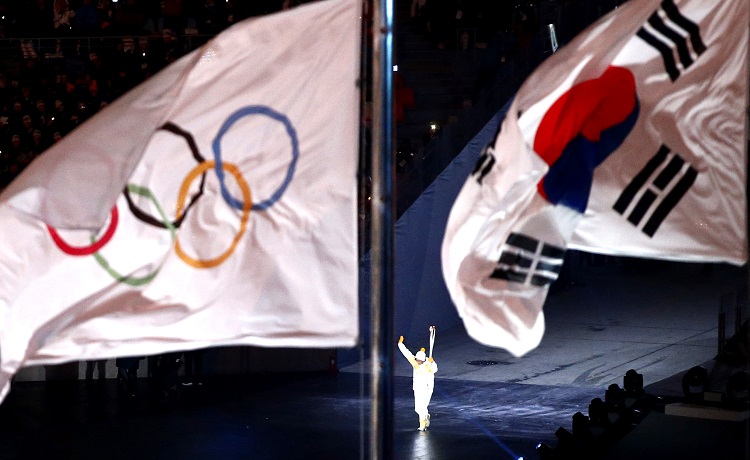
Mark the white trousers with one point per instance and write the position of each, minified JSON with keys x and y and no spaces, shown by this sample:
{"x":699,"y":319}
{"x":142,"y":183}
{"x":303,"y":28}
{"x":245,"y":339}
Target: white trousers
{"x":422,"y":398}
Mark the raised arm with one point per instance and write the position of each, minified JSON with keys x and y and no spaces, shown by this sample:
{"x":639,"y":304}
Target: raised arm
{"x":405,"y":351}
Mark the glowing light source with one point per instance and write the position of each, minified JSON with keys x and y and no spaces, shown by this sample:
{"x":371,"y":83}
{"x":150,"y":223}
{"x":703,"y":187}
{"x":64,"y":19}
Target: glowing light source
{"x":544,"y":450}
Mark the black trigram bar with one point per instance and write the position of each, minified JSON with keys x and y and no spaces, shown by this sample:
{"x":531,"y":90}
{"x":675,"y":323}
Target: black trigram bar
{"x":526,"y":260}
{"x":673,"y":172}
{"x":676,"y":39}
{"x":484,"y":164}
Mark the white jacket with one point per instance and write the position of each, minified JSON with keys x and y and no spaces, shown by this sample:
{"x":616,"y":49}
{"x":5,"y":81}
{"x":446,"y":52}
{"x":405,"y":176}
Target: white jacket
{"x":424,"y":374}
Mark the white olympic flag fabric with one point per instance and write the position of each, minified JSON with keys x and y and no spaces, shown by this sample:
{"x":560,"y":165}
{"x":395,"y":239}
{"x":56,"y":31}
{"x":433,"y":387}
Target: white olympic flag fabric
{"x":215,"y":204}
{"x":628,"y":141}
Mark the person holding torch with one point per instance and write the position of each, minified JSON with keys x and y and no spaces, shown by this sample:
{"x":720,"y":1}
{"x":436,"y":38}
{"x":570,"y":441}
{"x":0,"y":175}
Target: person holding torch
{"x":424,"y":369}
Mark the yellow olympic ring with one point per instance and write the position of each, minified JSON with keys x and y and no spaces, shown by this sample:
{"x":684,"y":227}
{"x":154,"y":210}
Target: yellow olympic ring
{"x":247,"y":204}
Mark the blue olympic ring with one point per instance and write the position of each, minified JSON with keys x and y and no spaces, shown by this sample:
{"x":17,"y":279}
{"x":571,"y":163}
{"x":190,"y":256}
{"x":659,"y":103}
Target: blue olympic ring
{"x":255,"y":110}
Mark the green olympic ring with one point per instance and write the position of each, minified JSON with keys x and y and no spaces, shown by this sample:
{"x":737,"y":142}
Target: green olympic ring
{"x":130,"y":280}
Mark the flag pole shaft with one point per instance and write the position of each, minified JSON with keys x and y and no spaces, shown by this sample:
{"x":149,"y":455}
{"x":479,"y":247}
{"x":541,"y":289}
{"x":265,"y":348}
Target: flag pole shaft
{"x":382,"y":297}
{"x":746,"y":146}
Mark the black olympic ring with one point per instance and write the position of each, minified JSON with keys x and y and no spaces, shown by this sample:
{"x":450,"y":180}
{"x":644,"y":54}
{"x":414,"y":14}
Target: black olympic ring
{"x":151,"y":220}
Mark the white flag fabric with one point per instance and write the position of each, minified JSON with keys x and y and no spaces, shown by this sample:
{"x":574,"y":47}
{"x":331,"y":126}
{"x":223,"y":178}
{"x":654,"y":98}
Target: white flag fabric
{"x":215,"y":204}
{"x":628,"y":141}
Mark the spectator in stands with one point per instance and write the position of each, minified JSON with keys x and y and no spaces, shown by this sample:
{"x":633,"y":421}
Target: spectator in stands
{"x":165,"y":375}
{"x":4,"y":127}
{"x":95,"y":97}
{"x":81,"y":86}
{"x":172,"y":16}
{"x":78,"y":116}
{"x":229,"y":12}
{"x":104,"y":14}
{"x":31,"y":75}
{"x":129,"y":18}
{"x":420,"y":14}
{"x":26,"y":100}
{"x":59,"y":88}
{"x":42,"y":88}
{"x":289,"y":4}
{"x":404,"y":99}
{"x":465,"y":41}
{"x":50,"y":102}
{"x":149,"y":61}
{"x":60,"y":118}
{"x":190,"y":14}
{"x":442,"y":16}
{"x":125,"y":73}
{"x":27,"y":131}
{"x":15,"y":117}
{"x":524,"y":26}
{"x":42,"y":115}
{"x":74,"y":121}
{"x":193,"y":367}
{"x":4,"y":32}
{"x":152,"y":12}
{"x":38,"y":144}
{"x":5,"y":92}
{"x":19,"y":155}
{"x":97,"y":68}
{"x":211,"y":17}
{"x":490,"y":62}
{"x":127,"y":376}
{"x":86,"y":21}
{"x":171,"y":48}
{"x":6,"y":175}
{"x":404,"y":155}
{"x":61,"y":17}
{"x":100,"y":365}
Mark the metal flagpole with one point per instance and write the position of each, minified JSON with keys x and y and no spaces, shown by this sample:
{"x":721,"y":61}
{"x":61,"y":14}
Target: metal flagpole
{"x":382,"y":297}
{"x":747,"y":178}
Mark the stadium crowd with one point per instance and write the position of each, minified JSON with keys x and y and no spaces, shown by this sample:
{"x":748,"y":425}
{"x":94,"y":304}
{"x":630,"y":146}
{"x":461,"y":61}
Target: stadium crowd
{"x":86,"y":18}
{"x":64,"y":61}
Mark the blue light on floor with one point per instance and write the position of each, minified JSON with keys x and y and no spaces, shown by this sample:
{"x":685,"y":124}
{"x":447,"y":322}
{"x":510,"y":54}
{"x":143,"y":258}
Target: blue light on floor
{"x":484,"y":429}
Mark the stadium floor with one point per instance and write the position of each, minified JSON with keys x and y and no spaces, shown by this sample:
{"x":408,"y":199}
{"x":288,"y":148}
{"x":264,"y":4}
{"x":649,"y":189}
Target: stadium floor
{"x":487,"y":405}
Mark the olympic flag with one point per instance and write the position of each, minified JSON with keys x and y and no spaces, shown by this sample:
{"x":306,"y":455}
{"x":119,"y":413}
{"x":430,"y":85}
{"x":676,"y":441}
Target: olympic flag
{"x":215,"y":204}
{"x":629,"y":141}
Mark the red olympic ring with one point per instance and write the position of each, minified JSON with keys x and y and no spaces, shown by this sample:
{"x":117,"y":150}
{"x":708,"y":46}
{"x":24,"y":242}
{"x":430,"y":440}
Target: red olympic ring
{"x":86,"y":250}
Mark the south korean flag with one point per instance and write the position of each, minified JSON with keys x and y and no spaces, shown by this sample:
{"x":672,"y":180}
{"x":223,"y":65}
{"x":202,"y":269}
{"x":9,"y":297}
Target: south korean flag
{"x":631,"y":141}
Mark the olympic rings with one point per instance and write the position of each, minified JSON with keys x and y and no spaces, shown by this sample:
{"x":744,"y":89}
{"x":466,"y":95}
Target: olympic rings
{"x":146,"y":218}
{"x":198,"y":170}
{"x":162,"y":221}
{"x":86,"y":250}
{"x":143,"y":280}
{"x":233,"y":118}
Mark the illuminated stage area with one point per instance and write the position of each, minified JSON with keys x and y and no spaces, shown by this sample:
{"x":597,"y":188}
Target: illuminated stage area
{"x":486,"y":404}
